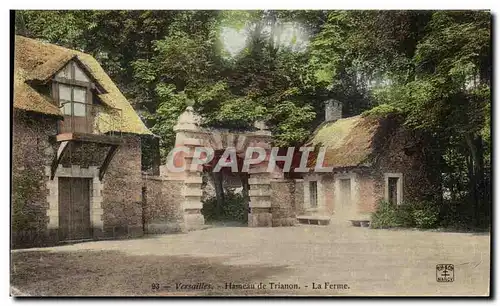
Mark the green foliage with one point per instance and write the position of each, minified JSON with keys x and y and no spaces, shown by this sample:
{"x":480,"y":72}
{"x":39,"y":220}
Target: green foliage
{"x":460,"y":215}
{"x":162,"y":122}
{"x":381,"y":111}
{"x":25,"y":188}
{"x":235,"y":208}
{"x":292,"y":120}
{"x":405,"y":215}
{"x":64,"y":28}
{"x":426,"y":216}
{"x":264,"y":82}
{"x":385,"y":216}
{"x":412,"y":214}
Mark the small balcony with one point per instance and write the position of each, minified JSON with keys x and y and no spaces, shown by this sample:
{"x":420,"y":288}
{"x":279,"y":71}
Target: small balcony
{"x":89,"y":123}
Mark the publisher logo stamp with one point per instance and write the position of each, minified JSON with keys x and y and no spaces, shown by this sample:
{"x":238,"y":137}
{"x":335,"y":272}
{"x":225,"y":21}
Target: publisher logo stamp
{"x":445,"y":273}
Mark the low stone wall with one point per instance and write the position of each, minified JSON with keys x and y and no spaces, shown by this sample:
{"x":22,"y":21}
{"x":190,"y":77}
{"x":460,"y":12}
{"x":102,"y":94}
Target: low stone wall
{"x":162,"y":202}
{"x":122,"y":194}
{"x":283,"y":207}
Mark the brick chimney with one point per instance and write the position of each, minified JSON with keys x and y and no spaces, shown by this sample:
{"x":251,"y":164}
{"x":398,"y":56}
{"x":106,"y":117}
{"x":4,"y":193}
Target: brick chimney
{"x":333,"y":110}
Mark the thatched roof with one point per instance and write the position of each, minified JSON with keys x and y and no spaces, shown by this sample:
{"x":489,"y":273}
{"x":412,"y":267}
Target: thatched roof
{"x":39,"y":61}
{"x":28,"y":99}
{"x":349,"y":141}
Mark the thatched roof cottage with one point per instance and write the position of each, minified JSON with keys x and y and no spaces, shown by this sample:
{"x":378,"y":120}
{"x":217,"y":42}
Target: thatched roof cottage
{"x":76,"y":149}
{"x":373,"y":158}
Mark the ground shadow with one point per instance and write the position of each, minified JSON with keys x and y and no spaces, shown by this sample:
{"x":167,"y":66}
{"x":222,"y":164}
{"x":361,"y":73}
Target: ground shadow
{"x":474,"y":231}
{"x":97,"y":273}
{"x":212,"y":224}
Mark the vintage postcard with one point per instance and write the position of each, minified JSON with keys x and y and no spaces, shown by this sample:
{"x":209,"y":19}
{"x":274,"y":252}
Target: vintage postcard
{"x":251,"y":153}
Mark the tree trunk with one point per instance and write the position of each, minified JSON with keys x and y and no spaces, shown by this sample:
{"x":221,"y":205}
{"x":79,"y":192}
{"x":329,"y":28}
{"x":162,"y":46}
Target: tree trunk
{"x":475,"y":144}
{"x":219,"y":192}
{"x":480,"y":180}
{"x":245,"y":188}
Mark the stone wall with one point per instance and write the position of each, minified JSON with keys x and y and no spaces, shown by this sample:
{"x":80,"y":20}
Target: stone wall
{"x":401,"y":152}
{"x":116,"y":202}
{"x":367,"y":188}
{"x":328,"y":194}
{"x":163,"y":205}
{"x":298,"y":195}
{"x":283,"y":202}
{"x":122,"y":194}
{"x":404,"y":152}
{"x":31,"y":151}
{"x":368,"y":193}
{"x":325,"y":194}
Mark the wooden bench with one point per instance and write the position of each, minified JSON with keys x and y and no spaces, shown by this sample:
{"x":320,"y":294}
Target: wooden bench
{"x":362,"y":223}
{"x":318,"y":220}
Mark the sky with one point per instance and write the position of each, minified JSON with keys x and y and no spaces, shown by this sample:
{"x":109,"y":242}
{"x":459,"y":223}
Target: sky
{"x":293,"y":35}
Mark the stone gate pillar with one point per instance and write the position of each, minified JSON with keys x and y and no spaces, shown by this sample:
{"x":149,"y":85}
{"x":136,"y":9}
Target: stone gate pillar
{"x":260,"y":181}
{"x":189,"y":135}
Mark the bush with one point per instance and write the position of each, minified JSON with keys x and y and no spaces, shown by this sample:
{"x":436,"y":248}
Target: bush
{"x":234,"y":208}
{"x":410,"y":214}
{"x":405,"y":215}
{"x":385,"y":216}
{"x":426,"y":216}
{"x":458,"y":214}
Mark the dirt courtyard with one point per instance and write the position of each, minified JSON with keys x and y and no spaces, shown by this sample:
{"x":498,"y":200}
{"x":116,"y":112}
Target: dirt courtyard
{"x":300,"y":260}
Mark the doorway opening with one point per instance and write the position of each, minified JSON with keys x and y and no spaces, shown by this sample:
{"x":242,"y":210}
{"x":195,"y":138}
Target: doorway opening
{"x":225,"y":195}
{"x":345,"y":196}
{"x":393,"y":190}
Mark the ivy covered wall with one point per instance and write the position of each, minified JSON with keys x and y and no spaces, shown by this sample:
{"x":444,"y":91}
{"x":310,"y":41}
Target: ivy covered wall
{"x":31,"y":151}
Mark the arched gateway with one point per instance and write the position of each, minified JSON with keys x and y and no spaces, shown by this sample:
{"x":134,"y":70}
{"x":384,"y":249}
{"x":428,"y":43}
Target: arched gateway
{"x":190,"y":135}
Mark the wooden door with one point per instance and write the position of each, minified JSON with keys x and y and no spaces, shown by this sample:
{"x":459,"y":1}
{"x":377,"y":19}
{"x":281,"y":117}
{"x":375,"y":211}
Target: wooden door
{"x":74,"y":208}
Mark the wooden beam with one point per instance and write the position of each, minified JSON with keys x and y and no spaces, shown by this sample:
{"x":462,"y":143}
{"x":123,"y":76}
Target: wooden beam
{"x":74,"y":82}
{"x":84,"y":137}
{"x":57,"y":159}
{"x":107,"y":160}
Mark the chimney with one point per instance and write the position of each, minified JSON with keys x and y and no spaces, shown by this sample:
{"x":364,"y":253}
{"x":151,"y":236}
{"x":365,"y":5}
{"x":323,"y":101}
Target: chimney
{"x":333,"y":110}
